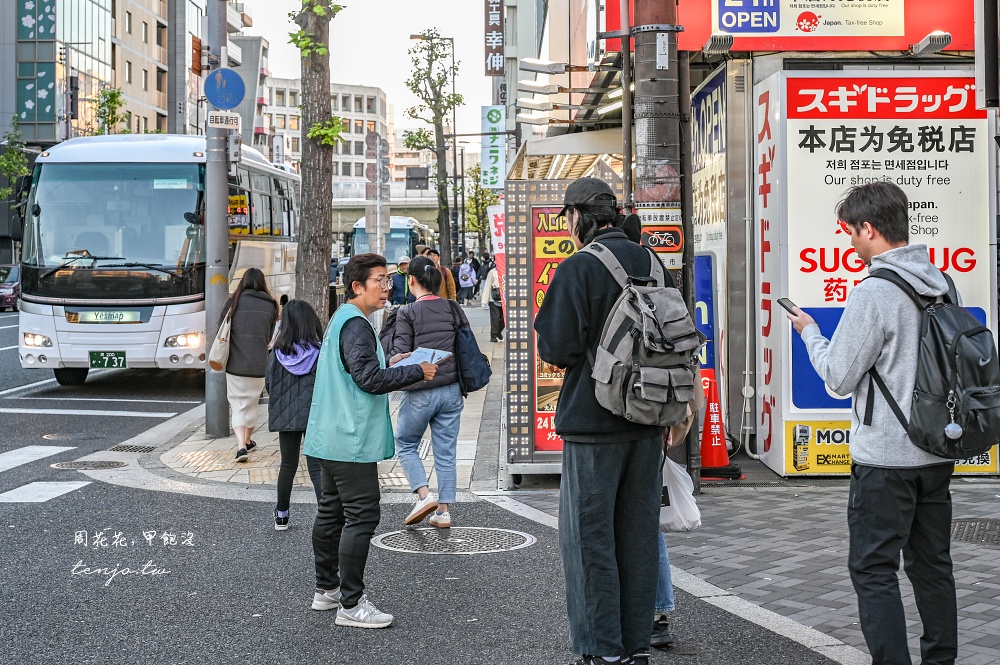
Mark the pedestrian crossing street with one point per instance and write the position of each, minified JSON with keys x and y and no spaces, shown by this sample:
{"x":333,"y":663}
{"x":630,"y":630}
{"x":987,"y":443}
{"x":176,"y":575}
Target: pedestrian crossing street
{"x":35,"y":492}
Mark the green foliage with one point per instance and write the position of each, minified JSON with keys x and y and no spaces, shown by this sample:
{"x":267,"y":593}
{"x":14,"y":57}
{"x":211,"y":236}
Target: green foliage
{"x":13,"y":161}
{"x":304,"y":41}
{"x":109,"y":116}
{"x":327,"y":133}
{"x":433,"y":70}
{"x":421,"y":139}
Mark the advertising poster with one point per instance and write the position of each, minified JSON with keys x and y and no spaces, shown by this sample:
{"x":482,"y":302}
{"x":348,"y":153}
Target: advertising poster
{"x":922,"y":133}
{"x":798,"y":18}
{"x":498,"y":242}
{"x":494,"y":150}
{"x":550,"y":243}
{"x":662,"y":232}
{"x":708,"y":134}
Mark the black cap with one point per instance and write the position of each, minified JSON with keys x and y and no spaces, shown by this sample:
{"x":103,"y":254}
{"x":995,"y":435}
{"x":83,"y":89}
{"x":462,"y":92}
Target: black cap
{"x":588,"y":191}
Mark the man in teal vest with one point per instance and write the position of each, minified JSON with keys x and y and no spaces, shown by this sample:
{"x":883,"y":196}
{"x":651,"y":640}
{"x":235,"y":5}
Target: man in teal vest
{"x":350,"y":432}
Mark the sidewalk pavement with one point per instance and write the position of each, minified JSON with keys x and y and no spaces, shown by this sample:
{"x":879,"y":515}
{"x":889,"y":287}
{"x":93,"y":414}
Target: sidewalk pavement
{"x":771,"y":553}
{"x":213,"y":459}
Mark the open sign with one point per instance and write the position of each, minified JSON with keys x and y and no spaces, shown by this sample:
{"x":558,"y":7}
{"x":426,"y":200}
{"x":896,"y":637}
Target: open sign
{"x":663,"y":239}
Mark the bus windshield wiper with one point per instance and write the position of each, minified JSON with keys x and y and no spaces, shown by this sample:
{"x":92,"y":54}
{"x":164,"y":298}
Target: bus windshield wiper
{"x":147,"y":266}
{"x":74,"y":259}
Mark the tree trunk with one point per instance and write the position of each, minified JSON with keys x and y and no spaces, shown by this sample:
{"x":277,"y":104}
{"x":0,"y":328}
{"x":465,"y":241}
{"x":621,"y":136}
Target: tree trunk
{"x":312,"y":269}
{"x":444,"y":220}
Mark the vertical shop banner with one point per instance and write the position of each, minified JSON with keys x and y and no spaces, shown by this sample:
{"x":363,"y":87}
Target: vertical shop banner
{"x":795,"y":18}
{"x":494,"y":151}
{"x":770,"y":321}
{"x":550,"y":244}
{"x":920,"y":132}
{"x":493,"y":37}
{"x":708,"y":140}
{"x":498,"y":241}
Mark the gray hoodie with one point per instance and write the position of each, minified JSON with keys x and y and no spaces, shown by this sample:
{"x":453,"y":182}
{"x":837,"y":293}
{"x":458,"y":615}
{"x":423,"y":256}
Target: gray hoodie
{"x":880,"y":327}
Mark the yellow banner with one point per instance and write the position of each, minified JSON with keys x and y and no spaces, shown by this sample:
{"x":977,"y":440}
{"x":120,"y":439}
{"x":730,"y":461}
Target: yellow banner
{"x":818,"y":447}
{"x":554,"y":247}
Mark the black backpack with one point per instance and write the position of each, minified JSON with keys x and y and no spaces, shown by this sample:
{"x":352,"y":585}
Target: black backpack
{"x":956,"y":399}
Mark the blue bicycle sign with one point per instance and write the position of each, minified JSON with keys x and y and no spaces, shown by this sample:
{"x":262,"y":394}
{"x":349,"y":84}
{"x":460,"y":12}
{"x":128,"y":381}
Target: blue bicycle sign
{"x":224,"y":89}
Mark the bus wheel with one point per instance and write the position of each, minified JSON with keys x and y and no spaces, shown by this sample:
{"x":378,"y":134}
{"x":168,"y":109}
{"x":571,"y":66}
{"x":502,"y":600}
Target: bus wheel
{"x":71,"y":376}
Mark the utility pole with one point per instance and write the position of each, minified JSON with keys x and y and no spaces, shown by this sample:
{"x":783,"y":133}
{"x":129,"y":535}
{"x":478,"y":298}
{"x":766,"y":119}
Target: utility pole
{"x":216,"y":235}
{"x":662,"y":124}
{"x":463,"y":202}
{"x":626,"y":29}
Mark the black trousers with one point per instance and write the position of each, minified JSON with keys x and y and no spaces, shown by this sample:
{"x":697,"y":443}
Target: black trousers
{"x":348,"y":515}
{"x":909,"y":510}
{"x":291,"y":444}
{"x":609,"y":524}
{"x":496,"y":321}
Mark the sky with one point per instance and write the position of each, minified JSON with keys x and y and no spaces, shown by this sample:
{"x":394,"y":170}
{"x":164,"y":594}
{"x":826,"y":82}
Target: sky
{"x":369,"y":43}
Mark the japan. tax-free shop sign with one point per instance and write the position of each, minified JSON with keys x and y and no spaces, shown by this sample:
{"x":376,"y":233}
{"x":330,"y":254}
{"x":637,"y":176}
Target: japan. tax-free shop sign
{"x":833,"y":131}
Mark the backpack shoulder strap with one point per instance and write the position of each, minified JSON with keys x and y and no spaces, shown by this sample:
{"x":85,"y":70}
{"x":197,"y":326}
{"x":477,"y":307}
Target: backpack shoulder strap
{"x":884,"y":389}
{"x":952,"y":295}
{"x":607,"y":257}
{"x":890,"y":276}
{"x":656,"y":269}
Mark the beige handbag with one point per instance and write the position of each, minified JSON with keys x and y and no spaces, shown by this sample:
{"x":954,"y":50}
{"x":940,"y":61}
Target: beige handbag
{"x":218,"y":356}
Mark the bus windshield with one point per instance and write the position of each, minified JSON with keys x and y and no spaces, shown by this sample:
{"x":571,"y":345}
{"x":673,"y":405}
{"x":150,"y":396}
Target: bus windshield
{"x":85,"y":221}
{"x":399,"y":243}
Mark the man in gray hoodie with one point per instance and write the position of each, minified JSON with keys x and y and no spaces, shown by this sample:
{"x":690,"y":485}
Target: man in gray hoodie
{"x":899,"y":497}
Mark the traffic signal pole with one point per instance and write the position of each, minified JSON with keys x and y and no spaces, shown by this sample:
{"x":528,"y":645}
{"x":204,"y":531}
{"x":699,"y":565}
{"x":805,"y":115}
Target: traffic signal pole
{"x":216,"y":230}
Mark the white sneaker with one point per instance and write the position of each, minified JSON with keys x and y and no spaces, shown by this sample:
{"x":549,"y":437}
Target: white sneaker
{"x":326,"y":600}
{"x":424,"y":507}
{"x":441,"y":520}
{"x":365,"y":615}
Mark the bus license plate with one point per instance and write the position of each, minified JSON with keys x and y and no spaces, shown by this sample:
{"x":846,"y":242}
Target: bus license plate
{"x":107,"y":360}
{"x":104,"y":316}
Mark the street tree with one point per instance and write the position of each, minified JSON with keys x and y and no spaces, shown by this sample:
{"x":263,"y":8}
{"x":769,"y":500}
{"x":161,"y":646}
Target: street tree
{"x":323,"y":130}
{"x":430,"y":80}
{"x":13,"y":160}
{"x":478,"y":199}
{"x":109,"y":115}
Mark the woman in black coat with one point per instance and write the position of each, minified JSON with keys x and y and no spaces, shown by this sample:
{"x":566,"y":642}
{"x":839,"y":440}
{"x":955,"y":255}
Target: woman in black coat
{"x":291,"y":375}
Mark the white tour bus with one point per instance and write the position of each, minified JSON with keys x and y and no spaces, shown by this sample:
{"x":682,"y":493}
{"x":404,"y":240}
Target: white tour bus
{"x":113,"y":250}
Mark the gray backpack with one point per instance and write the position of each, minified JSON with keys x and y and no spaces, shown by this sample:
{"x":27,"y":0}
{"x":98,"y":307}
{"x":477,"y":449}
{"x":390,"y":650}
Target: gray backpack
{"x":646,"y":367}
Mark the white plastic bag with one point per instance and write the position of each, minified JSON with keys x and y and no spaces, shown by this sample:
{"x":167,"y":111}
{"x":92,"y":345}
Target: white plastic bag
{"x":682,"y":514}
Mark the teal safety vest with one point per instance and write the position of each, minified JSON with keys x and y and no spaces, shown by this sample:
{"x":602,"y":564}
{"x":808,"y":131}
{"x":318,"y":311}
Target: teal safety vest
{"x":346,"y":424}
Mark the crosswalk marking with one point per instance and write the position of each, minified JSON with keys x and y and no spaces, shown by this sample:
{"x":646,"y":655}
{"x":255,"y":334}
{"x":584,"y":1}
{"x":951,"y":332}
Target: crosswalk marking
{"x":27,"y":454}
{"x":92,"y":412}
{"x":40,"y":492}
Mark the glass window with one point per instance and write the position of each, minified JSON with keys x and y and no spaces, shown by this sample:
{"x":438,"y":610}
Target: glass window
{"x":359,"y":148}
{"x":359,"y":126}
{"x":345,"y":103}
{"x":370,"y":105}
{"x":295,"y":147}
{"x":279,"y":121}
{"x":145,"y":124}
{"x":293,"y":122}
{"x":279,"y":98}
{"x":145,"y":79}
{"x":336,"y":171}
{"x":145,"y":32}
{"x":359,"y":104}
{"x":239,"y":209}
{"x":128,"y":22}
{"x":128,"y":71}
{"x":345,"y":168}
{"x":359,"y":169}
{"x":371,"y":125}
{"x":293,"y":98}
{"x":260,"y":214}
{"x":333,"y":103}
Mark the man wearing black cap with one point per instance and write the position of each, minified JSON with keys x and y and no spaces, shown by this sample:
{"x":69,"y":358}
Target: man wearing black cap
{"x":609,"y":501}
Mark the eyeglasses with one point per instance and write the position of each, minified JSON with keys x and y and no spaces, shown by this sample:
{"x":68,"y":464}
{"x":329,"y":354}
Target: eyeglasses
{"x":383,"y":281}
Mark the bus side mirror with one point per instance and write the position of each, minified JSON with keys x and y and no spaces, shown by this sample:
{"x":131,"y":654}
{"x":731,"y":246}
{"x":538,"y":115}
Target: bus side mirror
{"x":22,"y":185}
{"x":16,"y":226}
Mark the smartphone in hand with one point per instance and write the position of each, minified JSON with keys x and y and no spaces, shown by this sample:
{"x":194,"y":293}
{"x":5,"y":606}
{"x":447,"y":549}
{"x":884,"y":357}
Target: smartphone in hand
{"x":788,"y":305}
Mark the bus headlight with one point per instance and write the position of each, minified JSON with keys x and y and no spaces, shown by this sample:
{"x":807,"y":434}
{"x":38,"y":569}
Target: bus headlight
{"x":35,"y":340}
{"x":187,"y":340}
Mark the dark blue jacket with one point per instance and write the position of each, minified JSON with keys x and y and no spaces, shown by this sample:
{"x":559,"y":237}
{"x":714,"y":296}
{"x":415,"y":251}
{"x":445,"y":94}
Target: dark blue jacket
{"x":401,"y":289}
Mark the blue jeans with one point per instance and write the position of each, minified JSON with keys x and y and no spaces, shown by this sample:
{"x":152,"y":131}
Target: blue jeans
{"x":441,"y":408}
{"x":664,"y":585}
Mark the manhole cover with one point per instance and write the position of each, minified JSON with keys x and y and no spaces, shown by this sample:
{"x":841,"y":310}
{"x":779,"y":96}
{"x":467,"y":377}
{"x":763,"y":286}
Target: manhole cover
{"x":72,"y":436}
{"x":981,"y":532}
{"x":88,"y":466}
{"x":132,"y":449}
{"x":457,"y":540}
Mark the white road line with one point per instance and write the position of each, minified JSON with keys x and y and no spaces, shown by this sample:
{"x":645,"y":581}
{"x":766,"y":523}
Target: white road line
{"x":28,"y":454}
{"x":41,"y":492}
{"x":107,"y":399}
{"x":26,"y":386}
{"x":91,"y":412}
